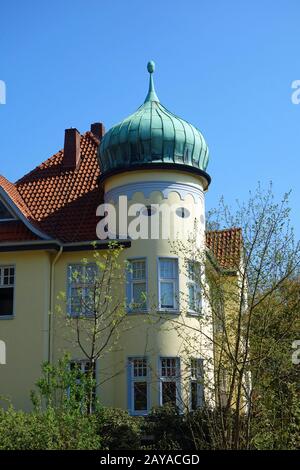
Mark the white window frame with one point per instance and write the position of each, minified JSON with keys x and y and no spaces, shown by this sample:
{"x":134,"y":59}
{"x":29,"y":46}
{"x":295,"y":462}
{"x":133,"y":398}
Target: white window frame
{"x":175,"y":282}
{"x":132,"y":379}
{"x":3,"y":286}
{"x":174,"y":379}
{"x":130,"y":301}
{"x":191,"y":282}
{"x":197,"y":379}
{"x":71,"y":284}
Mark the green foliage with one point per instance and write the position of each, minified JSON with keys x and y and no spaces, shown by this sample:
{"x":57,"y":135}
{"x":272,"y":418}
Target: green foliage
{"x":49,"y":430}
{"x":64,"y":388}
{"x":166,"y":428}
{"x":118,"y":430}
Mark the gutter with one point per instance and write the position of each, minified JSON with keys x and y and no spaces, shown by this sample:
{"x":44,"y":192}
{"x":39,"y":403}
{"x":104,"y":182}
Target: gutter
{"x":56,"y":245}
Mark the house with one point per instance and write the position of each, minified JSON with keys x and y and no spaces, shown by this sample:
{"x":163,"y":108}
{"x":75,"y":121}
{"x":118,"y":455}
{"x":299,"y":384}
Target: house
{"x":48,"y":221}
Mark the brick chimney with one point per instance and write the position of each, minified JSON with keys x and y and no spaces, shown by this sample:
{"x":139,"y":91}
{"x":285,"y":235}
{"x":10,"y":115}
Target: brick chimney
{"x":98,"y":129}
{"x":71,"y":148}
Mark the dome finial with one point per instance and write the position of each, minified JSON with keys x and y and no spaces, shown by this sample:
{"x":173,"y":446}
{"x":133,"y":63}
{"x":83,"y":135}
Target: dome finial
{"x":151,"y":96}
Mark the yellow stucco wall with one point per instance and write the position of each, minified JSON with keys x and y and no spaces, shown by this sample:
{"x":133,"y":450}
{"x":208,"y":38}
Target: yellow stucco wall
{"x":26,"y":335}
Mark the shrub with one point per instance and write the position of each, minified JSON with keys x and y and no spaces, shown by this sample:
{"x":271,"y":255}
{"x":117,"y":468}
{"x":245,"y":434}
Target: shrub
{"x":49,"y":430}
{"x":118,"y":430}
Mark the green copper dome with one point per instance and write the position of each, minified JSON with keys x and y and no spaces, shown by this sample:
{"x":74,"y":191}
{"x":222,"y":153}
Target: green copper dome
{"x":153,"y":137}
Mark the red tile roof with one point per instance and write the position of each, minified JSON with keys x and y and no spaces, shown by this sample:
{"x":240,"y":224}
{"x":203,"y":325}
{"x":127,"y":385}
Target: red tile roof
{"x":14,"y":231}
{"x":62,"y":203}
{"x":226,"y":246}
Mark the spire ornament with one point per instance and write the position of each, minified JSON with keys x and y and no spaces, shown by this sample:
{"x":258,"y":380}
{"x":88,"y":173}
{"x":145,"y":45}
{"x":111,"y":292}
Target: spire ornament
{"x":151,"y":96}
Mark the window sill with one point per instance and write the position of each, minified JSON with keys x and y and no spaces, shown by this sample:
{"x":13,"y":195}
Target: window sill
{"x":7,"y":317}
{"x":139,"y":413}
{"x":194,"y":314}
{"x":169,"y":311}
{"x":137,"y":312}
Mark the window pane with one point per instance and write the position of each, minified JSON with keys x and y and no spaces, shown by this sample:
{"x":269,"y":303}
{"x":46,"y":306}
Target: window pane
{"x":139,"y":291}
{"x":7,"y":276}
{"x":75,"y":301}
{"x":88,"y":301}
{"x":168,"y":268}
{"x":139,"y":367}
{"x":169,"y":367}
{"x":167,"y":294}
{"x":192,"y":303}
{"x":90,"y":273}
{"x":197,"y":368}
{"x":138,"y":270}
{"x":169,"y":393}
{"x":140,"y":396}
{"x":194,"y":395}
{"x":75,"y":273}
{"x":6,"y":300}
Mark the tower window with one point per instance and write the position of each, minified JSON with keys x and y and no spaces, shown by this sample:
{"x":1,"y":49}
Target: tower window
{"x":137,"y":285}
{"x":168,"y":283}
{"x":170,"y":380}
{"x":7,"y":287}
{"x":194,"y":290}
{"x":138,"y":381}
{"x":182,"y":212}
{"x":149,"y":211}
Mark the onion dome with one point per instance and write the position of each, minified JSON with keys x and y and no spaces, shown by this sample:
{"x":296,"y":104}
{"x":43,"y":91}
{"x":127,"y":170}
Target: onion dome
{"x":153,"y":137}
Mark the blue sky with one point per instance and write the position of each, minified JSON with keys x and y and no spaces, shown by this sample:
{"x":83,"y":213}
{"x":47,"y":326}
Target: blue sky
{"x":225,"y":66}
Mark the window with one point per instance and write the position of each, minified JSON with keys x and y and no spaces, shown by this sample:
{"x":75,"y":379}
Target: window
{"x":168,"y":283}
{"x":170,"y":380}
{"x":138,"y":393}
{"x":182,"y":212}
{"x":197,"y":389}
{"x":137,"y":285}
{"x":81,"y":289}
{"x":83,"y":368}
{"x":7,"y":285}
{"x":4,"y":213}
{"x":194,"y":291}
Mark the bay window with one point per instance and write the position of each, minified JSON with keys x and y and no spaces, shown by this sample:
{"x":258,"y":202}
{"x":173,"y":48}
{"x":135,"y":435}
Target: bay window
{"x":194,"y":289}
{"x":196,"y":383}
{"x":138,"y":381}
{"x":137,"y":285}
{"x":170,"y":381}
{"x":168,"y":283}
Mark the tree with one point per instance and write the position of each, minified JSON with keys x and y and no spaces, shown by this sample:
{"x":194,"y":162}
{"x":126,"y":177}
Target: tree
{"x":253,"y":304}
{"x":97,"y":310}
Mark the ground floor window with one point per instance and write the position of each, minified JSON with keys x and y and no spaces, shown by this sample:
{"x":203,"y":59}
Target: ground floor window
{"x":170,"y":380}
{"x":138,"y":385}
{"x":196,"y":384}
{"x":82,"y":368}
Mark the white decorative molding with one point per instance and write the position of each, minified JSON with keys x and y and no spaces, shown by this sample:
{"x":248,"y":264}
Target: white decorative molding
{"x":148,"y":187}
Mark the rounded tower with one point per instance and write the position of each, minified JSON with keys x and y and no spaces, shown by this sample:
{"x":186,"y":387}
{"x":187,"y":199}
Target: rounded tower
{"x":153,"y":168}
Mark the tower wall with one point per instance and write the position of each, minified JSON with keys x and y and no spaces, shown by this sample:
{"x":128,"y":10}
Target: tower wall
{"x":158,"y":333}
